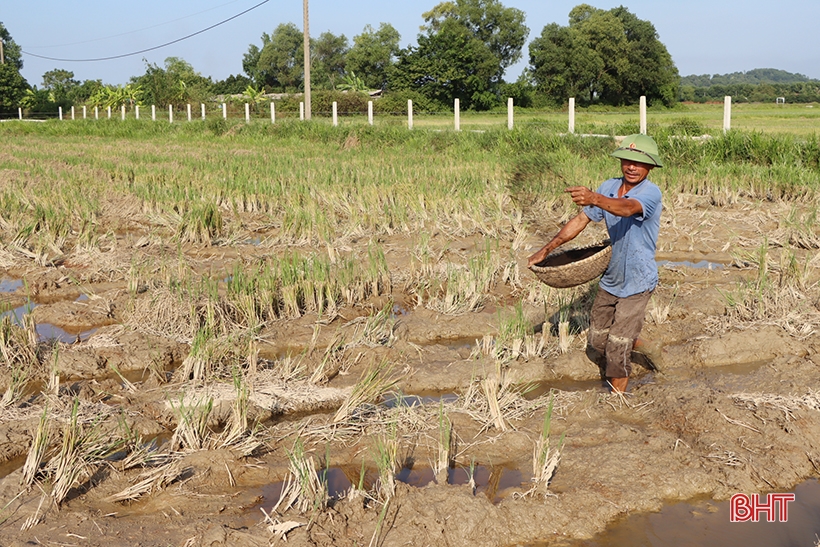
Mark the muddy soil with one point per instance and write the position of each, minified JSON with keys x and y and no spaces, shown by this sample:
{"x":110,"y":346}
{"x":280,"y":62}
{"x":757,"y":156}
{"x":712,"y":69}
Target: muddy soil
{"x":733,"y":408}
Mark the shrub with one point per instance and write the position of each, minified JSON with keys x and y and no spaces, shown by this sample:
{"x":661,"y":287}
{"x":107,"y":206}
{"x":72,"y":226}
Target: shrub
{"x":395,"y":103}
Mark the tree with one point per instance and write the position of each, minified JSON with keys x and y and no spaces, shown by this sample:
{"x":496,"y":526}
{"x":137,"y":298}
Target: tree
{"x":465,"y":47}
{"x":281,"y":59}
{"x":501,"y":29}
{"x":373,"y":54}
{"x":607,"y":56}
{"x":231,"y":85}
{"x":250,"y":61}
{"x":448,"y":64}
{"x":13,"y":86}
{"x":11,"y":51}
{"x":328,"y":59}
{"x":60,"y":84}
{"x":177,"y":84}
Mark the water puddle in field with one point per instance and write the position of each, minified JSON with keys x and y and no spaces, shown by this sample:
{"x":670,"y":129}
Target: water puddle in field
{"x":494,"y":482}
{"x":10,"y":285}
{"x":705,"y":523}
{"x":400,"y":311}
{"x":10,"y":466}
{"x":700,"y":264}
{"x":393,"y":400}
{"x":46,"y":331}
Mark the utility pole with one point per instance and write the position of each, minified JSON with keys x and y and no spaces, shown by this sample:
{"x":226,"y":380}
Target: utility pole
{"x":2,"y":56}
{"x":307,"y":62}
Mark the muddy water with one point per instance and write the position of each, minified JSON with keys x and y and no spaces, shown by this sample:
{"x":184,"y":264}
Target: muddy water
{"x":494,"y":482}
{"x":46,"y":331}
{"x":706,"y":523}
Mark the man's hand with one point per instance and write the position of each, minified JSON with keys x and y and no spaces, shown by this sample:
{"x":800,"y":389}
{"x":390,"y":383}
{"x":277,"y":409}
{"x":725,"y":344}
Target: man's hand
{"x":540,"y":255}
{"x":581,"y":195}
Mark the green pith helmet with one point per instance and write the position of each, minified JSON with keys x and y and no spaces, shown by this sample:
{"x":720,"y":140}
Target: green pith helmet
{"x":641,"y":148}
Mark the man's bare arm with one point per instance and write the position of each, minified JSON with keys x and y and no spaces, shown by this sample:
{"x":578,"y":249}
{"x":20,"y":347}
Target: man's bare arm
{"x":568,"y":232}
{"x":622,"y":207}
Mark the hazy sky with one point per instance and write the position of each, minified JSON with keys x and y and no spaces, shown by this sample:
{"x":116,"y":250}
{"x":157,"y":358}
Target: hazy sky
{"x":704,"y":37}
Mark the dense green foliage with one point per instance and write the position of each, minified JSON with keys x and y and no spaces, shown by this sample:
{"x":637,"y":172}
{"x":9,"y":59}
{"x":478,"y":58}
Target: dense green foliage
{"x":753,"y":77}
{"x":373,"y":54}
{"x":758,"y":85}
{"x":280,"y":65}
{"x":611,"y":57}
{"x":232,"y":84}
{"x":176,"y":84}
{"x":328,"y":60}
{"x":462,"y":53}
{"x":13,"y":86}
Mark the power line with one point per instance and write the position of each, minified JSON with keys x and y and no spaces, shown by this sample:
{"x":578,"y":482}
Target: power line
{"x":150,"y":48}
{"x":135,"y":31}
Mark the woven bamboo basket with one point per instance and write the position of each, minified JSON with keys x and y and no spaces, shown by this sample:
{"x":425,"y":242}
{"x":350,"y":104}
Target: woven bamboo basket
{"x":575,"y":266}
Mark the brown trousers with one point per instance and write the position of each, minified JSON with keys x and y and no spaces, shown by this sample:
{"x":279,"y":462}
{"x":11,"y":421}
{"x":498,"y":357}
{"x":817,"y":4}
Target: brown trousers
{"x":615,"y":324}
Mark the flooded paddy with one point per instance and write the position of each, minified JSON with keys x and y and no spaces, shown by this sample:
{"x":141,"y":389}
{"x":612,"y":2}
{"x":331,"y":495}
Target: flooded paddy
{"x":357,"y":379}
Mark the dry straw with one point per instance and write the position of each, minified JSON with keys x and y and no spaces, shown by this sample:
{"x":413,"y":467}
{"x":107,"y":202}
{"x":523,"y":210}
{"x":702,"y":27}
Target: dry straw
{"x":374,"y":382}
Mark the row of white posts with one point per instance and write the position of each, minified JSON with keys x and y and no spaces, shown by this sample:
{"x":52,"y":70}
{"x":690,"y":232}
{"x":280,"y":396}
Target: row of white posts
{"x":727,"y":113}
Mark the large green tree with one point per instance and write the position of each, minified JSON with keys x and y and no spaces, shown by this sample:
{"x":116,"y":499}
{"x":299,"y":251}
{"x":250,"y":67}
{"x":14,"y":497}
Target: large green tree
{"x":176,"y":83}
{"x":328,"y":59}
{"x":13,"y":86}
{"x":500,"y":28}
{"x":12,"y":53}
{"x":281,"y":60}
{"x":60,"y":84}
{"x":607,"y":56}
{"x":373,"y":54}
{"x":448,"y":64}
{"x":462,"y":52}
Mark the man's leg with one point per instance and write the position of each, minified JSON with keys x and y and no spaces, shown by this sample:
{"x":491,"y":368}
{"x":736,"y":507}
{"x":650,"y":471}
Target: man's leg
{"x":626,"y":326}
{"x":600,"y":320}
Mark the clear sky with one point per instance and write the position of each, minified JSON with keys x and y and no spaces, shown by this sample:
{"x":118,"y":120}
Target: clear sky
{"x":703,"y":37}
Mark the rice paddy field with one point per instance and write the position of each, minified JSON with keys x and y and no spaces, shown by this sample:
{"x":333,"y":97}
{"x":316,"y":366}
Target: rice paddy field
{"x":219,"y":333}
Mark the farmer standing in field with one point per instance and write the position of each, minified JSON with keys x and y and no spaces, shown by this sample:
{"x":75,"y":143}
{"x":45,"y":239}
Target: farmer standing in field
{"x":631,"y":207}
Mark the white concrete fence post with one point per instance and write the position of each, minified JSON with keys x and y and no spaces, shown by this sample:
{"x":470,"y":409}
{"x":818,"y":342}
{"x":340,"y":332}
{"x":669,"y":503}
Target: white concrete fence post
{"x":247,"y":113}
{"x":72,"y":112}
{"x":203,"y":111}
{"x":335,"y":114}
{"x":83,"y":111}
{"x":19,"y":113}
{"x":137,"y":111}
{"x":370,"y":112}
{"x":60,"y":112}
{"x":122,"y":112}
{"x":727,"y":113}
{"x":96,"y":113}
{"x":153,"y":112}
{"x":224,"y":111}
{"x":302,"y":111}
{"x":272,"y":112}
{"x":189,"y":111}
{"x":571,"y":127}
{"x":170,"y":113}
{"x":642,"y":115}
{"x":457,"y":114}
{"x":109,"y":112}
{"x":409,"y":114}
{"x":509,"y":113}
